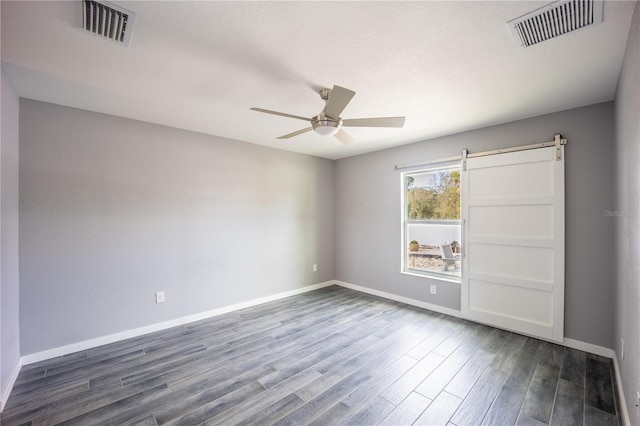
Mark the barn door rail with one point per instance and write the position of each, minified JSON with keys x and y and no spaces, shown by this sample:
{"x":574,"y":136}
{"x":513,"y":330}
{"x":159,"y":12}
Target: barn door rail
{"x":557,"y":141}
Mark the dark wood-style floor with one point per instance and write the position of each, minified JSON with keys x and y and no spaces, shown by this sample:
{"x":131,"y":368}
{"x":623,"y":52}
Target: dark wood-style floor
{"x":328,"y":357}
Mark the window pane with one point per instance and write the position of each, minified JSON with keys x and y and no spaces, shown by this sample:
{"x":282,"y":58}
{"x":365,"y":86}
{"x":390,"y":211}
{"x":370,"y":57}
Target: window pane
{"x":429,"y":254}
{"x":433,"y":195}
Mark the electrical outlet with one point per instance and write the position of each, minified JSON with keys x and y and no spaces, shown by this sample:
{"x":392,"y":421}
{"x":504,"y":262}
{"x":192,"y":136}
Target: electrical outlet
{"x":160,"y":297}
{"x":315,"y":267}
{"x":434,"y":289}
{"x":622,"y":348}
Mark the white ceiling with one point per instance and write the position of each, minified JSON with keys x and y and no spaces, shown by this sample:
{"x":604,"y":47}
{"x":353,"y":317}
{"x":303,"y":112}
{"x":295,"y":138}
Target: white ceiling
{"x":447,"y":66}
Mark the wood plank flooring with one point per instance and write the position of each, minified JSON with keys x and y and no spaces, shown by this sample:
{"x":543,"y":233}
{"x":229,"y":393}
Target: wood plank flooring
{"x":327,"y":357}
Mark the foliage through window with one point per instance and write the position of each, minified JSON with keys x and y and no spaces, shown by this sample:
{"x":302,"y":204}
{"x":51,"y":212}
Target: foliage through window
{"x":432,"y":228}
{"x":434,"y":195}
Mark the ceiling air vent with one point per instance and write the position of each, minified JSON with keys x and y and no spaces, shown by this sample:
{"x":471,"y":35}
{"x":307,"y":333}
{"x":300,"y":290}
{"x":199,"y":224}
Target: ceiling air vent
{"x":106,"y":20}
{"x":555,"y":19}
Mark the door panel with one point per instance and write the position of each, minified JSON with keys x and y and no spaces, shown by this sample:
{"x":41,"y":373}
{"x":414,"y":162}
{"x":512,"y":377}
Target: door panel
{"x":514,"y":180}
{"x":511,"y":260}
{"x":516,"y":302}
{"x":525,"y":221}
{"x":513,"y":213}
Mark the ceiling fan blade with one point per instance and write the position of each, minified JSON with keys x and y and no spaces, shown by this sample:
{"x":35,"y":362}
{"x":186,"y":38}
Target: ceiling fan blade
{"x":282,"y":114}
{"x":299,"y":132}
{"x":338,"y":100}
{"x":374,"y":122}
{"x":344,"y":137}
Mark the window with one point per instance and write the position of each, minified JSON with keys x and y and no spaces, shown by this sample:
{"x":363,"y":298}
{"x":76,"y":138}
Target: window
{"x":431,"y":222}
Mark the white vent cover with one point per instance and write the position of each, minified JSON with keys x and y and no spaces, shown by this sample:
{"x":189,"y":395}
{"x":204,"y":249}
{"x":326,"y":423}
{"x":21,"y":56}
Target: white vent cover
{"x":555,"y":19}
{"x":106,"y":20}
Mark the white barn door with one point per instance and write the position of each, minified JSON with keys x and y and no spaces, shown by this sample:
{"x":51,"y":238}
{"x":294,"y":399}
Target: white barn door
{"x":513,"y":218}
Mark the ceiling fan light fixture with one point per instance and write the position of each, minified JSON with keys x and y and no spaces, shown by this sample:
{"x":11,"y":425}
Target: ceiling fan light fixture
{"x":326,"y":126}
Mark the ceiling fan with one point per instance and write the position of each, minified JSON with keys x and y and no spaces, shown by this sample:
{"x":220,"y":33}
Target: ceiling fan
{"x":329,"y":123}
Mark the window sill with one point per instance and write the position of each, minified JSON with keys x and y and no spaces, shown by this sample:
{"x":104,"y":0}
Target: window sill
{"x":434,"y":276}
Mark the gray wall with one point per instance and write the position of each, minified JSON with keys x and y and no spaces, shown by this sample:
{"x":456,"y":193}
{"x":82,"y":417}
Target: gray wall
{"x":368,"y":214}
{"x":627,"y":127}
{"x":9,"y":276}
{"x":113,"y":210}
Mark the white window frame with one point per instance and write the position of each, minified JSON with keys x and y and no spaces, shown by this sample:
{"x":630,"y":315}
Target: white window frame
{"x":405,"y":221}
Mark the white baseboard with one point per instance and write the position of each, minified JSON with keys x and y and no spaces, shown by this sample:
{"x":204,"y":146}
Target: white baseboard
{"x":623,"y":402}
{"x":402,"y":299}
{"x":112,"y":338}
{"x":588,"y":347}
{"x":9,"y":387}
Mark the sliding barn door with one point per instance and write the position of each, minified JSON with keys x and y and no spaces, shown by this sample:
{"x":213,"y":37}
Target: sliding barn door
{"x":513,"y":216}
